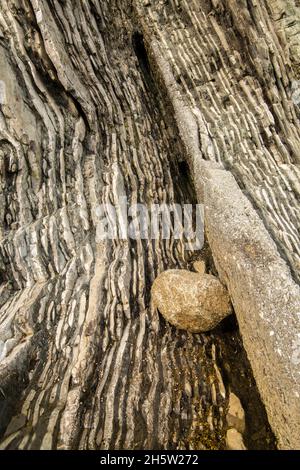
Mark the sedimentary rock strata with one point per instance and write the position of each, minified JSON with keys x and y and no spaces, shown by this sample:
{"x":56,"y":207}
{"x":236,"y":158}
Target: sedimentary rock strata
{"x":101,"y":100}
{"x":234,"y":73}
{"x":85,"y":361}
{"x":230,"y":70}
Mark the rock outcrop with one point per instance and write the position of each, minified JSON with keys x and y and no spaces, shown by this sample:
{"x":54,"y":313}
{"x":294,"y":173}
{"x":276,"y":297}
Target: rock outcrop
{"x":191,"y":301}
{"x":235,"y":415}
{"x":85,"y":362}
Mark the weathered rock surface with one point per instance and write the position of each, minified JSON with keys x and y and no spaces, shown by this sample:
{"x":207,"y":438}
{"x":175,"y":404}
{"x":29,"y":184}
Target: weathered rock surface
{"x":234,"y":440}
{"x":191,"y":301}
{"x":85,"y":362}
{"x":230,"y":71}
{"x":235,"y":415}
{"x":265,"y":297}
{"x":233,"y":66}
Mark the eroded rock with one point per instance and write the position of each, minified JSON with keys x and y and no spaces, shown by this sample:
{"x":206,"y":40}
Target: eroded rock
{"x":234,"y":440}
{"x":191,"y":301}
{"x":199,"y":266}
{"x":236,"y":414}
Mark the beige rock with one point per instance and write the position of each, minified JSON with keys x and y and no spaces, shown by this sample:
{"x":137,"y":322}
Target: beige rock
{"x":250,"y":248}
{"x":236,"y":414}
{"x":263,"y":291}
{"x":17,"y":423}
{"x":234,"y":440}
{"x":200,"y":267}
{"x":191,"y":301}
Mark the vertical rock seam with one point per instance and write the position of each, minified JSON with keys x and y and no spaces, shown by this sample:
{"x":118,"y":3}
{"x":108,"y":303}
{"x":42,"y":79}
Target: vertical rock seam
{"x":87,"y":116}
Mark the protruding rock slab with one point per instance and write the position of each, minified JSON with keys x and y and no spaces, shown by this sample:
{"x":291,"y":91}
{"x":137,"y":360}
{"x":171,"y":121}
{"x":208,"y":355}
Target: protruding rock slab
{"x":199,"y":267}
{"x":266,"y":300}
{"x":234,"y":440}
{"x":191,"y":301}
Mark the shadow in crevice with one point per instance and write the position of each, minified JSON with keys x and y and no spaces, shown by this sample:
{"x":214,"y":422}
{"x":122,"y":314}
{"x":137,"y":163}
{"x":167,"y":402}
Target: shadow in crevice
{"x":230,"y":354}
{"x":142,"y":56}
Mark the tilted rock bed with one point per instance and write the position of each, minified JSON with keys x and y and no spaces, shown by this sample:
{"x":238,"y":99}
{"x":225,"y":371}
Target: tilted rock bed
{"x":86,"y":362}
{"x":191,"y":301}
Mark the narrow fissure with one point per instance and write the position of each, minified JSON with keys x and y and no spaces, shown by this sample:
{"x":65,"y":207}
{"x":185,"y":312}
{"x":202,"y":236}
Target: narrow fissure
{"x":104,"y":370}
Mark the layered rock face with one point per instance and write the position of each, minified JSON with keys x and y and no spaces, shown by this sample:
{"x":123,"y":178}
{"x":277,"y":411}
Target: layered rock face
{"x":235,"y":64}
{"x":85,"y":361}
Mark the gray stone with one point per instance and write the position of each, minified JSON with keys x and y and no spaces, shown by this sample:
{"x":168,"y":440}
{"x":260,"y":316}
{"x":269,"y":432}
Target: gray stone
{"x":17,"y":423}
{"x":266,"y":300}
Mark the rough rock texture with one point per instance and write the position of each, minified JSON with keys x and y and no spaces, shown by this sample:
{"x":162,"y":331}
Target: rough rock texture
{"x":235,"y":415}
{"x":230,"y":70}
{"x":233,"y":71}
{"x":234,"y":440}
{"x":191,"y":301}
{"x":265,"y":298}
{"x":85,"y":362}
